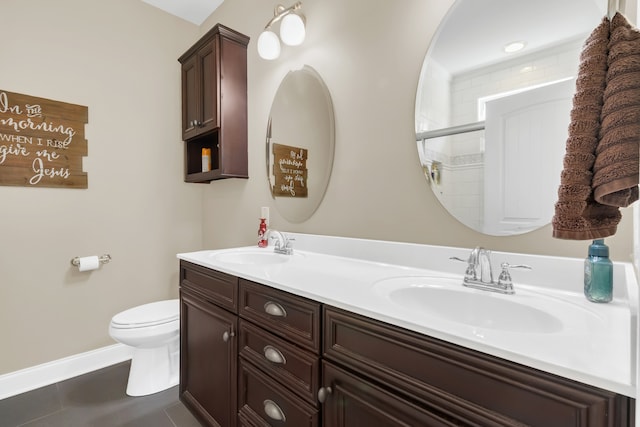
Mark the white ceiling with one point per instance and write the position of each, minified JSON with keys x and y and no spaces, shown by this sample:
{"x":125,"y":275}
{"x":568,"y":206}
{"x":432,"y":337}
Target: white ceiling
{"x":474,"y":31}
{"x":195,"y":11}
{"x":487,"y":25}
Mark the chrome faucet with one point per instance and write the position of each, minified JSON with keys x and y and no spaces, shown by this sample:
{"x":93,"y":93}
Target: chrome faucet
{"x":479,"y":274}
{"x":283,"y":243}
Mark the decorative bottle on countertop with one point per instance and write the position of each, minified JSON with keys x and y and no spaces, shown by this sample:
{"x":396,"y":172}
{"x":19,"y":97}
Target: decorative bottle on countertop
{"x":262,"y":231}
{"x":598,"y":273}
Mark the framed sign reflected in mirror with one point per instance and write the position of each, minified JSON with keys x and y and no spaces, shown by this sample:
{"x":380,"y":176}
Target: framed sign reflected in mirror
{"x":289,"y":171}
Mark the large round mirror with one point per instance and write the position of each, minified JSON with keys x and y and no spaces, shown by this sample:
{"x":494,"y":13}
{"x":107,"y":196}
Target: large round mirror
{"x":492,"y":108}
{"x":300,"y":144}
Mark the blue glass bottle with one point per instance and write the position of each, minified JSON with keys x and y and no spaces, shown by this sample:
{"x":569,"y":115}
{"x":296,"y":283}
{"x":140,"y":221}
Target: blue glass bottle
{"x":598,"y":273}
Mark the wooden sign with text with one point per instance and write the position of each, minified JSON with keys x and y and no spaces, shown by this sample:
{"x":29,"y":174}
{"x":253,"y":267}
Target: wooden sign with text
{"x":289,"y":171}
{"x":42,"y":142}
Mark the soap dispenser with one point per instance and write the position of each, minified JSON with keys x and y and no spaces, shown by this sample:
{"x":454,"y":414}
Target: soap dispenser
{"x":262,"y":229}
{"x":598,"y":273}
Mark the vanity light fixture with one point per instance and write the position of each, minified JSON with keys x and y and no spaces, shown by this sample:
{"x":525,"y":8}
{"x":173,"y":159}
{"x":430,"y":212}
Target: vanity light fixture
{"x":514,"y":47}
{"x":292,"y":31}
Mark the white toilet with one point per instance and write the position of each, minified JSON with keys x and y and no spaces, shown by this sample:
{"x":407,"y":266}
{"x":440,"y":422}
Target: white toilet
{"x":153,"y":330}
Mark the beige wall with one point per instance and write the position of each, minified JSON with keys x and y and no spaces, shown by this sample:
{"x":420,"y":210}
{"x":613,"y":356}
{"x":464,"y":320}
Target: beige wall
{"x":118,"y":57}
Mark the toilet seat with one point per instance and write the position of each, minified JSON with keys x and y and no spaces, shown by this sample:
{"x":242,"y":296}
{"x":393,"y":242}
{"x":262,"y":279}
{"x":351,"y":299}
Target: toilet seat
{"x":152,"y":314}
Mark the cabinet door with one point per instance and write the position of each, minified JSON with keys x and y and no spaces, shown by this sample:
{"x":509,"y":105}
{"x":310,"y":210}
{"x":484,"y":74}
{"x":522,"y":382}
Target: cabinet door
{"x":190,"y":98}
{"x":209,"y":77}
{"x":352,"y":402}
{"x":464,"y":383}
{"x":200,"y":92}
{"x":208,"y":361}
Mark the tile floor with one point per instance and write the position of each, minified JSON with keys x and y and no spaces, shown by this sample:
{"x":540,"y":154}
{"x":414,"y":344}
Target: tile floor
{"x":96,"y":399}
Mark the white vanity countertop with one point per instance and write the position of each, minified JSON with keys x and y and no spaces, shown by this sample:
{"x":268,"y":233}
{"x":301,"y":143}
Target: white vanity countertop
{"x":596,"y":344}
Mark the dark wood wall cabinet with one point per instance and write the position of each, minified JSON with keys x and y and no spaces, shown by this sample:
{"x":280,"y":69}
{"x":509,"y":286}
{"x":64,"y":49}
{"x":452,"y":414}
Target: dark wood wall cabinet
{"x":252,"y":355}
{"x":214,"y":105}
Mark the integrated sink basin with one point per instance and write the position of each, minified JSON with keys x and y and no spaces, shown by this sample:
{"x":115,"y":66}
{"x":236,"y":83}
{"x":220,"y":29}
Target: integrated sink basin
{"x":446,"y":298}
{"x":254,"y":257}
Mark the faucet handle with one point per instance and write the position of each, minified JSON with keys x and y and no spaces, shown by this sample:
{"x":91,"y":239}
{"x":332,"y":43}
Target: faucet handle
{"x":507,"y":265}
{"x":470,"y":272}
{"x":504,"y":280}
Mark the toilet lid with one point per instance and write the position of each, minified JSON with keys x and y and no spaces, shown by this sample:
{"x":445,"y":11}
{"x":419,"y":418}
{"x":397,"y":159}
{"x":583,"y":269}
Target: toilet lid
{"x":155,"y":313}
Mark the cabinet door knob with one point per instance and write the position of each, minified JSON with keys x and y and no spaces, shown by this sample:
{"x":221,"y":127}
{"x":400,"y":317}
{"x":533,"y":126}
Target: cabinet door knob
{"x":275,"y":309}
{"x":227,"y":335}
{"x":274,"y":355}
{"x":273,"y":411}
{"x":323,"y":393}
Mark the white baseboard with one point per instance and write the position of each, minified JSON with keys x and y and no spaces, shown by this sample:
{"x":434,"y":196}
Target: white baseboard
{"x":55,"y":371}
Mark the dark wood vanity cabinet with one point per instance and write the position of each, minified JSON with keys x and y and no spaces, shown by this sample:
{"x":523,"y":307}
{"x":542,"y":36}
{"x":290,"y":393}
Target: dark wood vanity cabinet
{"x":214,"y":105}
{"x":393,"y":377}
{"x":208,"y":344}
{"x":252,"y":355}
{"x":249,"y":354}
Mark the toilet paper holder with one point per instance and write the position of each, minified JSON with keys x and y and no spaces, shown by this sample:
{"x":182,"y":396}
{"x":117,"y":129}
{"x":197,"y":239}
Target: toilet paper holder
{"x":102,"y":258}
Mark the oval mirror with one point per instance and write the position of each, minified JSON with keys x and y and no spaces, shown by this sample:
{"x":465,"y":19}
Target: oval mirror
{"x":300,"y":144}
{"x":492,"y":108}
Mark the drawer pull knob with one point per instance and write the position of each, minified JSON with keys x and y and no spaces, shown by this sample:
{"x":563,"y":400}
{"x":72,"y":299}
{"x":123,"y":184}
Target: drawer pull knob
{"x":275,"y":309}
{"x":227,"y":335}
{"x":273,"y":411}
{"x":274,"y":355}
{"x":323,"y":393}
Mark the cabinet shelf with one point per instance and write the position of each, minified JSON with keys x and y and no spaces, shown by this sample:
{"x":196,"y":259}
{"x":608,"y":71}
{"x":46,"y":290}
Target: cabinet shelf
{"x":193,"y":158}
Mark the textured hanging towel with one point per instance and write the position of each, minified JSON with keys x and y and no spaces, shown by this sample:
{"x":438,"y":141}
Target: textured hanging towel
{"x":615,"y":172}
{"x":577,"y":215}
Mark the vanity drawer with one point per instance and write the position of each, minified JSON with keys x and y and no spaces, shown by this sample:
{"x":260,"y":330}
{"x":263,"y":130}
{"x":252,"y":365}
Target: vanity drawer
{"x":289,"y":316}
{"x":217,"y":287}
{"x":264,"y":402}
{"x":296,"y":369}
{"x":457,"y":380}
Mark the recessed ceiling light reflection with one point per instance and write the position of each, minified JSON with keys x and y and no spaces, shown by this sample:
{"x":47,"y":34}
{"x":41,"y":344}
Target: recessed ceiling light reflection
{"x":514,"y":47}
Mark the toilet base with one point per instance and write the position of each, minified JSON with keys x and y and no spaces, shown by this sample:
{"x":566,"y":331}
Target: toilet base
{"x":153,"y":369}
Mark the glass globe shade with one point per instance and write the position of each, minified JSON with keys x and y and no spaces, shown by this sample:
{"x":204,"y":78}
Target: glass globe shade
{"x":268,"y":45}
{"x":292,"y":30}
